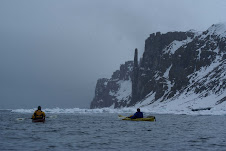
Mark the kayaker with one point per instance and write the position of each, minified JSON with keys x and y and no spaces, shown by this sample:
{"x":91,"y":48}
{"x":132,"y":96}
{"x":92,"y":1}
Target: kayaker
{"x":38,"y":114}
{"x":138,"y":114}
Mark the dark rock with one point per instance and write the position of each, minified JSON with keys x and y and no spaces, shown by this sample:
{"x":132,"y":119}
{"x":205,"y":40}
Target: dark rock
{"x":200,"y":109}
{"x":169,"y":66}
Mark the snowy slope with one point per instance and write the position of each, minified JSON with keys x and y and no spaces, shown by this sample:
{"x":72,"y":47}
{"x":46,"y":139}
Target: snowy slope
{"x":206,"y":91}
{"x":179,"y":72}
{"x":185,"y":102}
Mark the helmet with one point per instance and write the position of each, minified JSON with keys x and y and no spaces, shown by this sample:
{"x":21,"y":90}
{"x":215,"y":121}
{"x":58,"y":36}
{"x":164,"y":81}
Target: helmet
{"x":138,"y":109}
{"x":39,"y":107}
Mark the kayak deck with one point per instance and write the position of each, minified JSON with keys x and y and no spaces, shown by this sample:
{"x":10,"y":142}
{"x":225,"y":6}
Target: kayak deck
{"x":149,"y":118}
{"x":38,"y":120}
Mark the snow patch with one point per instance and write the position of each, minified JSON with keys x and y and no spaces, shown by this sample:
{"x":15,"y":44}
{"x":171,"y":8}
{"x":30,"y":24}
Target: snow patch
{"x":175,"y":45}
{"x":166,"y":74}
{"x":218,"y":29}
{"x":150,"y":98}
{"x":125,"y":90}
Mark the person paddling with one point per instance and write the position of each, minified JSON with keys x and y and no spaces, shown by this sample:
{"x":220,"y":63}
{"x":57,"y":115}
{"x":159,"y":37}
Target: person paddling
{"x":38,"y":114}
{"x":138,"y":114}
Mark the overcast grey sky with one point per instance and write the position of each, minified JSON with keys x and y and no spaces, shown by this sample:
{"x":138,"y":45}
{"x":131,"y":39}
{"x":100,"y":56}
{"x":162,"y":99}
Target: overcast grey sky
{"x":53,"y":51}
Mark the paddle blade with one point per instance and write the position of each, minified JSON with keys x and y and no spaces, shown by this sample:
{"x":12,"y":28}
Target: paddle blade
{"x":121,"y":117}
{"x":20,"y":119}
{"x":53,"y":116}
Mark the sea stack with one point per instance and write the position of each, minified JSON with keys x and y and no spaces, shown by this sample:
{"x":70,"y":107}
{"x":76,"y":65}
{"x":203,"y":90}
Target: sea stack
{"x":135,"y":78}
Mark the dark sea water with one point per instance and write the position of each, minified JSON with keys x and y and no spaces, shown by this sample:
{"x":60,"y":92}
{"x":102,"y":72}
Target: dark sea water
{"x":104,"y":131}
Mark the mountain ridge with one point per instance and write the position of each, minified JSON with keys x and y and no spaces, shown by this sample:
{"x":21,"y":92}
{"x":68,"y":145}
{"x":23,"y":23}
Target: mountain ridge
{"x":174,"y":66}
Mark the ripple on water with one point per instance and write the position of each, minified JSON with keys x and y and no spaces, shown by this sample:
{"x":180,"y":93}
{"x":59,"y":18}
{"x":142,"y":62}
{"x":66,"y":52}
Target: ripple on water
{"x":106,"y":132}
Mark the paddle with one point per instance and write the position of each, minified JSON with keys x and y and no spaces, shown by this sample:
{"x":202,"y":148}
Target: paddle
{"x":22,"y":119}
{"x":122,"y":117}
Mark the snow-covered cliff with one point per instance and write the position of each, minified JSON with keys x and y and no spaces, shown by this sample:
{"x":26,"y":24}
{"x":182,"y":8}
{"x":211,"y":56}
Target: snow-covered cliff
{"x":179,"y":71}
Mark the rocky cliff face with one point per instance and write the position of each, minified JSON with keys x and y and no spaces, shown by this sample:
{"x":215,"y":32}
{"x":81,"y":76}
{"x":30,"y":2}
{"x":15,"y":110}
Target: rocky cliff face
{"x":115,"y":92}
{"x":172,"y":65}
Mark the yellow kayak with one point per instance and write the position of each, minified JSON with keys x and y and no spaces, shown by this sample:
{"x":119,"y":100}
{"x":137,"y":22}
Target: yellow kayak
{"x":149,"y":118}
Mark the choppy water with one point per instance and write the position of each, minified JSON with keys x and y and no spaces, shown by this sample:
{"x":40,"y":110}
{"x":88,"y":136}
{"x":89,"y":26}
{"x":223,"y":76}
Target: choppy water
{"x":104,"y":131}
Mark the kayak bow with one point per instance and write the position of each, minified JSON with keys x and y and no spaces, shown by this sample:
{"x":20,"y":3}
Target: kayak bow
{"x":149,"y":118}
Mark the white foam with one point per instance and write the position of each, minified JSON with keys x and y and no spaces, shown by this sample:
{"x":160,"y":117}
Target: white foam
{"x":155,"y":108}
{"x":77,"y":110}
